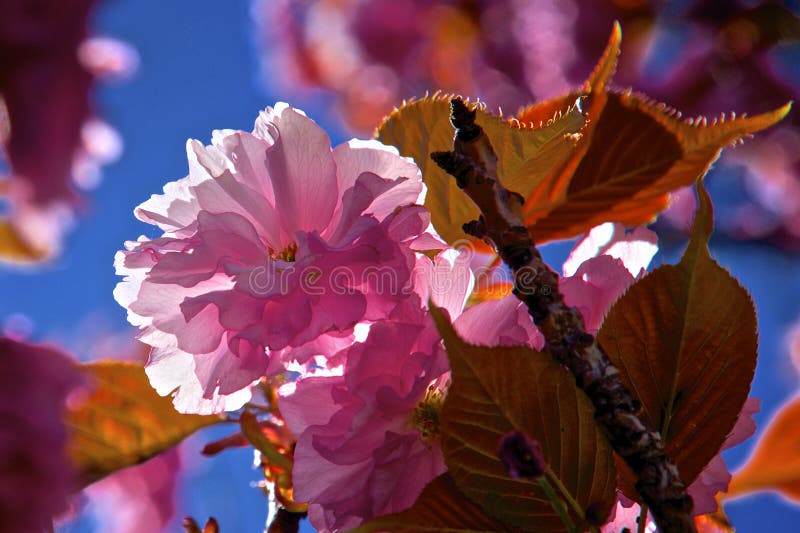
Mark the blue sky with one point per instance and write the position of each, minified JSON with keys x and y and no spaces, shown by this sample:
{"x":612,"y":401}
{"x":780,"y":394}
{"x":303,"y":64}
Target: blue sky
{"x":199,"y":72}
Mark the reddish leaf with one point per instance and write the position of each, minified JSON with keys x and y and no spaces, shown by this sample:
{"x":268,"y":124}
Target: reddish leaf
{"x":498,"y":390}
{"x":676,"y":336}
{"x":440,"y":508}
{"x":631,"y":154}
{"x":775,"y":462}
{"x":124,"y":421}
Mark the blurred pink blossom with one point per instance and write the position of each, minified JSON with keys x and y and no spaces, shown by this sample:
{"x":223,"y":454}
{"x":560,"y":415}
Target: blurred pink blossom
{"x":48,"y":72}
{"x":793,"y":344}
{"x":272,"y":242}
{"x":372,"y":54}
{"x":139,"y":498}
{"x":35,"y":473}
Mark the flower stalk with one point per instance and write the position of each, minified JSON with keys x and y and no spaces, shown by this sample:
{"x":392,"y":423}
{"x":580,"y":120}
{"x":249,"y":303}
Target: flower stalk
{"x":557,"y":504}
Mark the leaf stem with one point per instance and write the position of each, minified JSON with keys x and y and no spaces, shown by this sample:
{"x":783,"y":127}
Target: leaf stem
{"x":557,"y":504}
{"x":642,"y":520}
{"x":574,"y":505}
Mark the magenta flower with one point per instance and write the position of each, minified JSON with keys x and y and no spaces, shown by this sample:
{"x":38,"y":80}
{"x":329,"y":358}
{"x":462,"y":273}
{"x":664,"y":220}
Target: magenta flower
{"x":273,"y":241}
{"x":35,"y":473}
{"x":367,"y":430}
{"x":368,"y":445}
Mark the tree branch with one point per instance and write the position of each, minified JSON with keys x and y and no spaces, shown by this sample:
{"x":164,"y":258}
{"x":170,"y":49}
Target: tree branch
{"x":473,"y":163}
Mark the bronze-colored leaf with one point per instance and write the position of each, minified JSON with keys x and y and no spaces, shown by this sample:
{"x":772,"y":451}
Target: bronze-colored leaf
{"x":441,"y":508}
{"x":775,"y":462}
{"x":124,"y":421}
{"x":498,"y":390}
{"x":525,"y":153}
{"x":684,"y":340}
{"x":630,"y":155}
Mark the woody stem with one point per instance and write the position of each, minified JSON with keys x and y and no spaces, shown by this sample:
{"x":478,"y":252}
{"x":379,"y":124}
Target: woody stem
{"x":473,"y":162}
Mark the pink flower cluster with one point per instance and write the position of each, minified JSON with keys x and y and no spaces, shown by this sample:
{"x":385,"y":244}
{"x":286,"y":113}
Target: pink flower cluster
{"x":275,"y":246}
{"x":280,"y":254}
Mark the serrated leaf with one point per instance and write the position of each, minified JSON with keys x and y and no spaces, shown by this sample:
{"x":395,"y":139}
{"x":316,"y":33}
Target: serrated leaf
{"x":684,"y":339}
{"x":14,"y":248}
{"x":440,"y":508}
{"x":124,"y":421}
{"x":524,"y":152}
{"x":498,"y":390}
{"x":775,"y":462}
{"x":631,"y":154}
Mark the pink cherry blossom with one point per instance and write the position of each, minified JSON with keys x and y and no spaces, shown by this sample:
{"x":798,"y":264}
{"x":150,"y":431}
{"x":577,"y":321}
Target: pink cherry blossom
{"x":367,"y":431}
{"x":35,"y":473}
{"x":596,"y":285}
{"x":271,"y":241}
{"x":503,"y":322}
{"x":635,"y":248}
{"x":368,"y":445}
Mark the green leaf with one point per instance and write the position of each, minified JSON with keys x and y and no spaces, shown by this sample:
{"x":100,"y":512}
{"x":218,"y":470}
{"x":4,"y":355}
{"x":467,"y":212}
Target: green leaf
{"x":684,"y":339}
{"x":498,"y":390}
{"x":525,"y":153}
{"x":124,"y":421}
{"x":440,"y":508}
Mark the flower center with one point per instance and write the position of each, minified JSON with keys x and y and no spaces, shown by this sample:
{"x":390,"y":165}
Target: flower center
{"x":426,"y":414}
{"x":288,"y":254}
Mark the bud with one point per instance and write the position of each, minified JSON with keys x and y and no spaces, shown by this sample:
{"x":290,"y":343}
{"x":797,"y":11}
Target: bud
{"x":190,"y":526}
{"x":521,"y":455}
